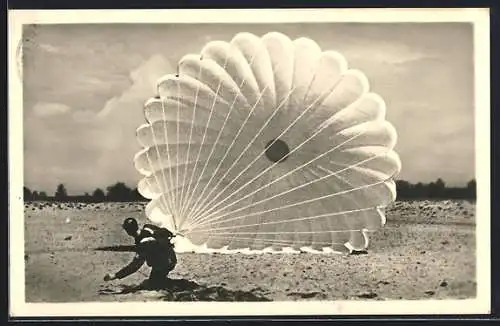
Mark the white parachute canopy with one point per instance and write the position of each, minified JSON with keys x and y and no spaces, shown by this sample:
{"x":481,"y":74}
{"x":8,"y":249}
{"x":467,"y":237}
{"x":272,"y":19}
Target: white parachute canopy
{"x":267,"y":143}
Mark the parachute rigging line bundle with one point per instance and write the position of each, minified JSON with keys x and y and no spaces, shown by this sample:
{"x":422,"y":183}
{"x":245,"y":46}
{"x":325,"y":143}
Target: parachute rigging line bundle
{"x":267,"y":143}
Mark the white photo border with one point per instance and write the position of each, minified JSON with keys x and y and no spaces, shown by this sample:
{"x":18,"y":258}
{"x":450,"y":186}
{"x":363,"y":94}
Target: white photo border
{"x":480,"y":305}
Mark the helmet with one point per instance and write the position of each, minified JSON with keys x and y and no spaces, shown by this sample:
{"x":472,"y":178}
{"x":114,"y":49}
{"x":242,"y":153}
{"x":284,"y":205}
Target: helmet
{"x":130,"y":225}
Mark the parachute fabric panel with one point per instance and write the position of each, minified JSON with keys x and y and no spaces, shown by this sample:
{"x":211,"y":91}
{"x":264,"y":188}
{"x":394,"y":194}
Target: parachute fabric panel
{"x":267,"y":142}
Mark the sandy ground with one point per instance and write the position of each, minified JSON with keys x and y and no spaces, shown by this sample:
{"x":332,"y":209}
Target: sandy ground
{"x":426,"y":250}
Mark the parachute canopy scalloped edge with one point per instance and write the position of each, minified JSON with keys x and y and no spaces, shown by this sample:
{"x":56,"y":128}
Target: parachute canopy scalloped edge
{"x":266,"y":143}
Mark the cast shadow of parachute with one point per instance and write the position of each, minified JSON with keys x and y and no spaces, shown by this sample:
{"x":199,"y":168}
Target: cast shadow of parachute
{"x":186,"y":290}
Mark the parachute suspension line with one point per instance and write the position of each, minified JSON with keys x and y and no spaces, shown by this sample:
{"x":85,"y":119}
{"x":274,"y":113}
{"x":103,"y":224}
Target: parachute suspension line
{"x":215,"y":211}
{"x":351,"y":199}
{"x":177,"y":156}
{"x":189,"y":142}
{"x":282,"y":177}
{"x":311,"y":82}
{"x":193,"y":207}
{"x":295,"y":219}
{"x":214,"y":222}
{"x":196,"y":207}
{"x":213,"y":218}
{"x":270,"y":144}
{"x":331,"y":224}
{"x":241,"y":154}
{"x":187,"y":204}
{"x":162,"y":198}
{"x":271,"y":242}
{"x":232,"y":144}
{"x":289,"y":232}
{"x":350,"y":184}
{"x":225,"y":154}
{"x":295,"y":204}
{"x":172,"y":209}
{"x":218,"y":136}
{"x":203,"y":139}
{"x":323,"y":126}
{"x":302,"y":180}
{"x":222,"y":160}
{"x":279,"y":194}
{"x":363,"y":112}
{"x":280,"y":242}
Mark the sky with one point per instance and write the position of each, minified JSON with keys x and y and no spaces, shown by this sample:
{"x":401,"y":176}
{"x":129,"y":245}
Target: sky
{"x":84,"y":87}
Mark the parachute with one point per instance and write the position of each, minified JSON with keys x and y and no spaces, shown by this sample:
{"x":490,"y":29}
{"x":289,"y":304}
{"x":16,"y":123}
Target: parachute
{"x":267,"y":143}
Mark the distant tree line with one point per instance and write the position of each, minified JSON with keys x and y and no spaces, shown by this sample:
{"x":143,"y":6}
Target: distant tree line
{"x":120,"y":192}
{"x":434,"y":190}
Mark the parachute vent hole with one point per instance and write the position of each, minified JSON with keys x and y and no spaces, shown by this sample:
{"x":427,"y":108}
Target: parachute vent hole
{"x":277,"y":151}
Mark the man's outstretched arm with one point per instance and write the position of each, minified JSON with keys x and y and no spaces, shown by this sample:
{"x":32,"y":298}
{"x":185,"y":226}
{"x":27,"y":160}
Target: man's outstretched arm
{"x":131,"y":268}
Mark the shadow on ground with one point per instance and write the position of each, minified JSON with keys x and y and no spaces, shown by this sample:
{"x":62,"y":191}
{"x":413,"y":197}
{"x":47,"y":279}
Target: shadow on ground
{"x":185,"y":290}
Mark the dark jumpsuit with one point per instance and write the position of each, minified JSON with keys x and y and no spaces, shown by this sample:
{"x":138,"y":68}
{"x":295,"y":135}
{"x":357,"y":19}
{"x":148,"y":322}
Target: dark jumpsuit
{"x":153,"y":247}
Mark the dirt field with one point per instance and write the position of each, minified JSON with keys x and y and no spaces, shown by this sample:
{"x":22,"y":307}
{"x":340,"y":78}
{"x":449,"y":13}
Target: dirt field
{"x":426,"y":250}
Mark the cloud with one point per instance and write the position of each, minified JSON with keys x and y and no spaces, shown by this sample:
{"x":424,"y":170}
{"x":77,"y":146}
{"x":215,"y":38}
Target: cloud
{"x":85,"y":86}
{"x":143,"y":87}
{"x":89,"y":148}
{"x":49,"y":109}
{"x":384,"y":52}
{"x":80,"y":70}
{"x":122,"y":115}
{"x":50,"y":48}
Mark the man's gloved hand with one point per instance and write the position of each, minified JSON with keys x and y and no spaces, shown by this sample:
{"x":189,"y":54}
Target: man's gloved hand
{"x":109,"y":277}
